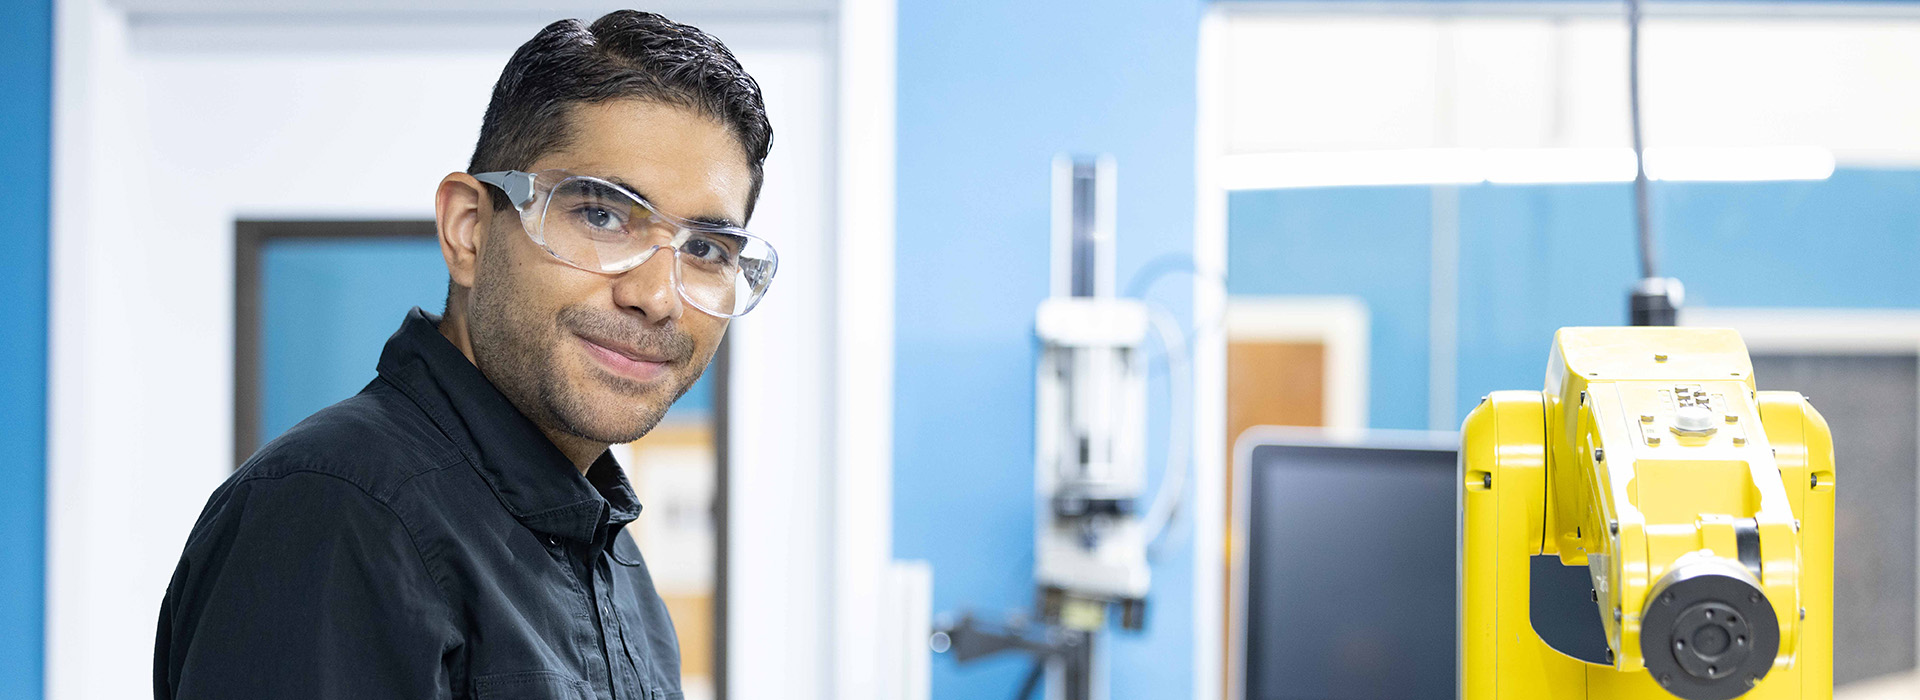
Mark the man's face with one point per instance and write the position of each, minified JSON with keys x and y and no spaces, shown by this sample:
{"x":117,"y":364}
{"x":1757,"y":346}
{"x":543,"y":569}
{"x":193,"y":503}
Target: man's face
{"x":602,"y":356}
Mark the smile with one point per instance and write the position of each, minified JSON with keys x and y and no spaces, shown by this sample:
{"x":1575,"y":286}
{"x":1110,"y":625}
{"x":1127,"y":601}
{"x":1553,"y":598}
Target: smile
{"x":624,"y":364}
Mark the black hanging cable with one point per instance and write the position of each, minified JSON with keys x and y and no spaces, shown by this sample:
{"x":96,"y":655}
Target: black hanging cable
{"x":1655,"y":300}
{"x":1641,"y":214}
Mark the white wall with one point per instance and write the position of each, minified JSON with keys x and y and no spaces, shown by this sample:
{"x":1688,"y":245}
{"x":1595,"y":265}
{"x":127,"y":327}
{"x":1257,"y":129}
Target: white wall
{"x":170,"y":126}
{"x":779,"y":396}
{"x":1516,"y":77}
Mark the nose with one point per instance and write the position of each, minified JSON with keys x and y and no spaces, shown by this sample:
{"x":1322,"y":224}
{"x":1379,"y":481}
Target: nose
{"x":649,"y":288}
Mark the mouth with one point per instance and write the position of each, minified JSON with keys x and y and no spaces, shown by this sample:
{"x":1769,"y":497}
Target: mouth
{"x":626,"y":361}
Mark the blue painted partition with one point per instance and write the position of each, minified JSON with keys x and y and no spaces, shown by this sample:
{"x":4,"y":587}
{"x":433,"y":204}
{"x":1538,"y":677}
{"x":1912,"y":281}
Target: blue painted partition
{"x":988,"y":93}
{"x":26,"y":50}
{"x":1852,"y":241}
{"x":1369,"y":242}
{"x":1534,"y":258}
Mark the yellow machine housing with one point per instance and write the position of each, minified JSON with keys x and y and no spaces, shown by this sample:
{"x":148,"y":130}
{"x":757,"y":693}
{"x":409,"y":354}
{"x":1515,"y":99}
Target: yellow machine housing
{"x":1702,"y":509}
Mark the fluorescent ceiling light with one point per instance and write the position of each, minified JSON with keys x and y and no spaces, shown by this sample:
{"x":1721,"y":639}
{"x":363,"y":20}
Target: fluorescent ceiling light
{"x":1418,"y":166}
{"x":1558,"y":165}
{"x":1458,"y":166}
{"x":1739,"y":164}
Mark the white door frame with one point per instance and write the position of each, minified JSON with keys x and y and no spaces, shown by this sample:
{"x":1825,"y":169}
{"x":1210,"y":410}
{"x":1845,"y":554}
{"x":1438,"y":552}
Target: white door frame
{"x":864,"y":664}
{"x":1338,"y":323}
{"x":1210,"y":359}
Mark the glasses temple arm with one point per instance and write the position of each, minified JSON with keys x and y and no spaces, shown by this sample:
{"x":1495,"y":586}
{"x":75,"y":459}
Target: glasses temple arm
{"x":517,"y":185}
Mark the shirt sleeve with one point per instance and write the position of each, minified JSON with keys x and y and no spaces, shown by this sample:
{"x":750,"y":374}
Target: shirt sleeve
{"x":301,"y":586}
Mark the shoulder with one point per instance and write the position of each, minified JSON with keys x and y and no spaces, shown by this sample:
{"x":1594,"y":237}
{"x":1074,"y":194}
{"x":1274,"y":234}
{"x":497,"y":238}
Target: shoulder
{"x":351,"y":466}
{"x":291,"y":526}
{"x":376,"y":441}
{"x":285,"y":560}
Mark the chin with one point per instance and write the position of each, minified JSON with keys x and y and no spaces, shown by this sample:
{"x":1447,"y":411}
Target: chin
{"x":615,"y":410}
{"x":611,"y":427}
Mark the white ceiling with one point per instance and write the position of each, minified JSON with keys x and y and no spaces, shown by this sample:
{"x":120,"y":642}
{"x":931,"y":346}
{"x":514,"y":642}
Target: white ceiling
{"x":182,"y":9}
{"x":438,"y":25}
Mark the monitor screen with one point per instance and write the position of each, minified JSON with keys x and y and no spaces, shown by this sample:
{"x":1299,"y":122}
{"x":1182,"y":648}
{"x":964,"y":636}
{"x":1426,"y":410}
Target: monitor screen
{"x":1350,"y":573}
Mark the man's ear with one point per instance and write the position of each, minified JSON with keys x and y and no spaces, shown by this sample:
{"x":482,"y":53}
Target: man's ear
{"x":462,"y":211}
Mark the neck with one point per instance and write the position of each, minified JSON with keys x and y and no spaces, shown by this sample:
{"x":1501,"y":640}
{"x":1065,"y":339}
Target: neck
{"x":578,"y":450}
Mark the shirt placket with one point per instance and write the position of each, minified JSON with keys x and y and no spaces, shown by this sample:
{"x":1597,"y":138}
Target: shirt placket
{"x":623,"y":673}
{"x":591,"y":638}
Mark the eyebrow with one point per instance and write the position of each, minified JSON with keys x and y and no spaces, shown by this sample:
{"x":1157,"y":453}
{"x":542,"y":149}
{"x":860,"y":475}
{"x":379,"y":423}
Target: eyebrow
{"x":708,"y":220}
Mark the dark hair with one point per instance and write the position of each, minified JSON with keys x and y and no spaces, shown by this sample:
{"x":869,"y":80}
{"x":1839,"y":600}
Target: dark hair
{"x":625,"y":54}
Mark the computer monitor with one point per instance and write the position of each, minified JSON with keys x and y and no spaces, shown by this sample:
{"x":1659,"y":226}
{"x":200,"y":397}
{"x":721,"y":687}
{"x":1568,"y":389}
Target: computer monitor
{"x":1343,"y":566}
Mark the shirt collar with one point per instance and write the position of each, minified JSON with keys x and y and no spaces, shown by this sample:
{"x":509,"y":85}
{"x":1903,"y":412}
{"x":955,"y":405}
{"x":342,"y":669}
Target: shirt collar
{"x":535,"y":482}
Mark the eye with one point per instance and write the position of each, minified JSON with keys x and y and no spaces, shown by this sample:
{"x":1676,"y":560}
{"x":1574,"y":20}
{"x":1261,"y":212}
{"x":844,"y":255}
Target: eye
{"x":709,"y":248}
{"x":600,"y":219}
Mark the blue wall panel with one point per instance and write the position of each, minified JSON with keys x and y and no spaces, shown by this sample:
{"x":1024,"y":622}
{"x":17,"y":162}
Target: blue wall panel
{"x":1368,"y":242}
{"x":1850,"y":241}
{"x":988,"y":93}
{"x":26,"y":50}
{"x":1534,"y":258}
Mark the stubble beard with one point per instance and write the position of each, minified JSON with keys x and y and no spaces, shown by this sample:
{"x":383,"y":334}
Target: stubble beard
{"x":520,"y":353}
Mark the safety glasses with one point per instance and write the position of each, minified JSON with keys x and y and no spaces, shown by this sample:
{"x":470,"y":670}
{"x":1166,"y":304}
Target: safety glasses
{"x":598,"y":226}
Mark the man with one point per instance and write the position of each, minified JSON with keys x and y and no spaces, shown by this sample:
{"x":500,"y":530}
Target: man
{"x":455,"y":530}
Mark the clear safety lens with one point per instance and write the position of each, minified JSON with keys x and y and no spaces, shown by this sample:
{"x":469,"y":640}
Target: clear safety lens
{"x":722,"y":272}
{"x":595,"y":225}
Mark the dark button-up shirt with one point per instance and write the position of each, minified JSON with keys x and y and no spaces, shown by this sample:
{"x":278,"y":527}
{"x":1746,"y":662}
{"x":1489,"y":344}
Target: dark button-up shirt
{"x":422,"y":539}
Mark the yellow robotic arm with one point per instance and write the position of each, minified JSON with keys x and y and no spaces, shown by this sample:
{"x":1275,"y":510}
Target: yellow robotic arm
{"x":1702,"y":509}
